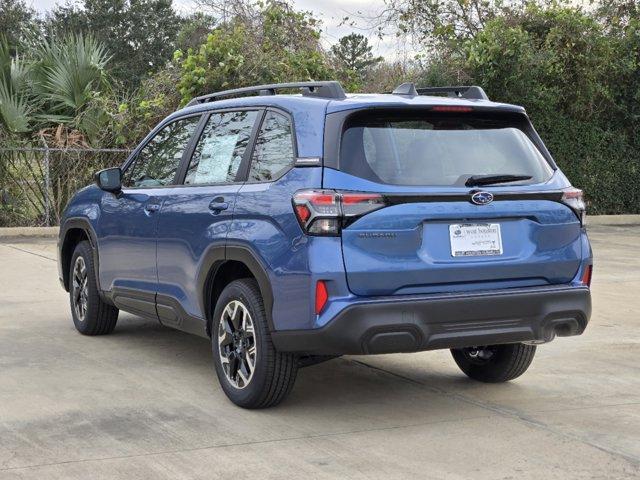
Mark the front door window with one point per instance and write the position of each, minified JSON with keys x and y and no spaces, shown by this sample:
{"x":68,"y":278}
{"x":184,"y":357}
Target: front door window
{"x":158,"y":161}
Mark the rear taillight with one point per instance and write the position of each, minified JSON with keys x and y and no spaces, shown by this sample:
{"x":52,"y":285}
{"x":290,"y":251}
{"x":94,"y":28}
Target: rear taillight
{"x":574,"y":199}
{"x":326,"y":212}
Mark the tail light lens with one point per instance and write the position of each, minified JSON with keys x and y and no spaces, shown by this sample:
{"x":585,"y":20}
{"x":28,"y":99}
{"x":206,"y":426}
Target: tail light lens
{"x":326,"y":212}
{"x":574,"y":199}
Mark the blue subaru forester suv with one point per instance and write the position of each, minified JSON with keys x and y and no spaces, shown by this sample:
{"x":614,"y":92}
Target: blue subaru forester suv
{"x":293,"y":228}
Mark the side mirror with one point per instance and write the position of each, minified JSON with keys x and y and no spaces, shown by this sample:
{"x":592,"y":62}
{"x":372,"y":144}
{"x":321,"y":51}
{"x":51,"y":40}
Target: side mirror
{"x":109,"y":179}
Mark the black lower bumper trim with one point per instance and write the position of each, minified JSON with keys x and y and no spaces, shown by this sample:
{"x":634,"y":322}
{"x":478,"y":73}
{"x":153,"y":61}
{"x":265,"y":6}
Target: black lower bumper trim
{"x":391,"y":325}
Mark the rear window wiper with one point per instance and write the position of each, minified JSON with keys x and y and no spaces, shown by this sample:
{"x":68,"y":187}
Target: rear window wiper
{"x":476,"y":180}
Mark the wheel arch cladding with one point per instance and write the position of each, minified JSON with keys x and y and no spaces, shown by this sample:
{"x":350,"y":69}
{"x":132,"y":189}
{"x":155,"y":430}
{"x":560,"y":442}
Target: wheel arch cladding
{"x":223,"y":265}
{"x":72,"y":233}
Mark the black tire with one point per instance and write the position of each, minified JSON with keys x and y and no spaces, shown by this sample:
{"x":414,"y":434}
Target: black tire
{"x":274,"y":373}
{"x":97,"y":317}
{"x":501,"y":363}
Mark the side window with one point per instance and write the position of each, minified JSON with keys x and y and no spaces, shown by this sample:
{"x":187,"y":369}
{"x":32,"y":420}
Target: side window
{"x":273,"y":153}
{"x":158,"y":161}
{"x":218,"y":154}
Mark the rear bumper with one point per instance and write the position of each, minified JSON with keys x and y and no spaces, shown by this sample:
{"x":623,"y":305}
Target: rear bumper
{"x":431,"y":322}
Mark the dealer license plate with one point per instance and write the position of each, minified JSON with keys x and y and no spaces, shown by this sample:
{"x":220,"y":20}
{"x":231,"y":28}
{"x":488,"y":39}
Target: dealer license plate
{"x":475,"y":239}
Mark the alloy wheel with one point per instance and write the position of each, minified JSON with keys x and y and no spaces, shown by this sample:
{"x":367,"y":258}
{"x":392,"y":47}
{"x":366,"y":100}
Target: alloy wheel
{"x":237,"y":344}
{"x":80,"y":289}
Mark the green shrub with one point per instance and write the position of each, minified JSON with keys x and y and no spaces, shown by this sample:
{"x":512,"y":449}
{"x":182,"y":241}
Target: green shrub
{"x":277,"y":44}
{"x":580,"y":84}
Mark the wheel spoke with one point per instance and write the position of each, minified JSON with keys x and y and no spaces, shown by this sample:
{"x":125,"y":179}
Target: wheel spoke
{"x":224,"y":359}
{"x":251,"y":357}
{"x":244,"y":373}
{"x":227,"y":323}
{"x":247,"y":324}
{"x":225,"y":339}
{"x":234,"y":362}
{"x":234,"y":318}
{"x":229,"y":327}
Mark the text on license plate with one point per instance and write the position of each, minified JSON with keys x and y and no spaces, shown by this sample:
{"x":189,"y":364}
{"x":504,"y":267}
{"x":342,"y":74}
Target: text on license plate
{"x":475,"y":239}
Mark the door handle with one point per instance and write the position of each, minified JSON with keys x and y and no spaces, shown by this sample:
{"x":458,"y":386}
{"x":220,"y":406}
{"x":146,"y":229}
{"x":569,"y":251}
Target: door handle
{"x":151,"y":207}
{"x":217,"y":205}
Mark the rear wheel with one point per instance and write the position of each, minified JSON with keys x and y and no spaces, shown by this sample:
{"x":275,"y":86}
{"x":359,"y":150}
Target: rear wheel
{"x":250,"y":370}
{"x":91,"y":316}
{"x":494,"y":363}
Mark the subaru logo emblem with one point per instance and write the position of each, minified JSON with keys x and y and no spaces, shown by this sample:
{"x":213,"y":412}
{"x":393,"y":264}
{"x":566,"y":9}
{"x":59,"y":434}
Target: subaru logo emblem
{"x":482,"y":198}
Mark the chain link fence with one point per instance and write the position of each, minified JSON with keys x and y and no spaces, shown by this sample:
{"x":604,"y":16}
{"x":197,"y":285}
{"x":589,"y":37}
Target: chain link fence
{"x":37,"y":183}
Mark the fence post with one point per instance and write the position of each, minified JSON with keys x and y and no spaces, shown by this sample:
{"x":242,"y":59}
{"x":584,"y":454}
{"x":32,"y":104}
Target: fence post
{"x":47,"y":186}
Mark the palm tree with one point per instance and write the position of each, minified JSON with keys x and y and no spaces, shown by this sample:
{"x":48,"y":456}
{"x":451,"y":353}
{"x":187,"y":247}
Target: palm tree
{"x":69,"y":76}
{"x":54,"y":84}
{"x":16,"y":99}
{"x":50,"y":93}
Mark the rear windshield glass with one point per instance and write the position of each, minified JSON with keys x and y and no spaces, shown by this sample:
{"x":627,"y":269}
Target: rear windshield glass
{"x":439,"y":149}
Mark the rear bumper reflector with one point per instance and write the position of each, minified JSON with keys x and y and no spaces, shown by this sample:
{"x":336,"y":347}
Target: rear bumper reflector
{"x":586,"y":275}
{"x":321,"y":296}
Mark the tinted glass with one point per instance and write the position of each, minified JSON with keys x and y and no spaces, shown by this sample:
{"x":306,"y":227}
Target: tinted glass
{"x":158,"y":161}
{"x":273,"y":153}
{"x":442,"y":150}
{"x":219,"y":151}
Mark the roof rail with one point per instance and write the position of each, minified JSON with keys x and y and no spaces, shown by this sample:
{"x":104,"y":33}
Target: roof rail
{"x":470,"y":92}
{"x":325,"y":89}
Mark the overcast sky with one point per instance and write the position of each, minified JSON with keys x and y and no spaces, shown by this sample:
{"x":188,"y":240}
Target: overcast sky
{"x":331,"y":12}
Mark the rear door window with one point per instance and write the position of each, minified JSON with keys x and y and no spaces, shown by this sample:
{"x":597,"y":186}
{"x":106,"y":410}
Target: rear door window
{"x":219,"y":151}
{"x":439,"y":149}
{"x":273,"y":152}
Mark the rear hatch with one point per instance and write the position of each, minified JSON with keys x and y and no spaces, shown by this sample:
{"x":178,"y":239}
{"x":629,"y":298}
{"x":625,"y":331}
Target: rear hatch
{"x":465,"y":200}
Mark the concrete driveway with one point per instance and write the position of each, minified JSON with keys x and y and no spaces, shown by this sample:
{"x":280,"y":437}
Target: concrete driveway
{"x":144,"y":402}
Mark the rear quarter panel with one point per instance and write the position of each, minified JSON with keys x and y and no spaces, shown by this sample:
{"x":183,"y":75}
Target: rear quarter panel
{"x":264,"y":222}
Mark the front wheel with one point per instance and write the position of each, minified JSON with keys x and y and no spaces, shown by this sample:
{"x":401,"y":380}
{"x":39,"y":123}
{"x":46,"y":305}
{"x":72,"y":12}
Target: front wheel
{"x":494,"y":363}
{"x":250,"y":370}
{"x":91,"y":316}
